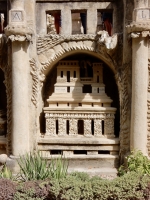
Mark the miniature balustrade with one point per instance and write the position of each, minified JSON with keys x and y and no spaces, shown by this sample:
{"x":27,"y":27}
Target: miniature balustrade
{"x":60,"y":124}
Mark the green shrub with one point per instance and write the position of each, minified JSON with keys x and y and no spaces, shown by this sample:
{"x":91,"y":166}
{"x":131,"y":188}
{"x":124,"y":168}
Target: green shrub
{"x":136,"y":162}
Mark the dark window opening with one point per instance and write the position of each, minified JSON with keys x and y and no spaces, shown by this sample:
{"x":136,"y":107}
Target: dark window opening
{"x":87,"y":89}
{"x":67,"y":126}
{"x":80,"y":152}
{"x":80,"y":104}
{"x":92,"y":126}
{"x":54,"y":21}
{"x":97,"y":90}
{"x":68,"y":104}
{"x":79,"y":21}
{"x":102,"y":104}
{"x":103,"y":152}
{"x":92,"y":104}
{"x":57,"y":104}
{"x":102,"y":127}
{"x":68,"y":76}
{"x":74,"y":74}
{"x":68,"y":89}
{"x":80,"y":127}
{"x":57,"y":126}
{"x":61,"y":74}
{"x":105,"y":21}
{"x":56,"y":152}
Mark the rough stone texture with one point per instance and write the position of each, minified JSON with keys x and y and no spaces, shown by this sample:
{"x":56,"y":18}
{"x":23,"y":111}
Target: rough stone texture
{"x":33,"y":50}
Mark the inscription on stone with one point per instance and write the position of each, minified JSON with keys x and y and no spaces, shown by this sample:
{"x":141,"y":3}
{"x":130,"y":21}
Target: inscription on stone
{"x":16,"y":16}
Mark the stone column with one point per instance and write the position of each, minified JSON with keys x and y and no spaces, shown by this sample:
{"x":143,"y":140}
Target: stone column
{"x":66,"y":26}
{"x":61,"y":126}
{"x":91,"y":21}
{"x":139,"y":30}
{"x":109,"y":127}
{"x":19,"y":35}
{"x":73,"y":123}
{"x":50,"y":126}
{"x":97,"y":127}
{"x":139,"y":94}
{"x":87,"y":127}
{"x":20,"y":107}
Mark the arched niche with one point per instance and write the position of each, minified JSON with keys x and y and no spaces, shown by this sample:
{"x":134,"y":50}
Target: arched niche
{"x":111,"y":88}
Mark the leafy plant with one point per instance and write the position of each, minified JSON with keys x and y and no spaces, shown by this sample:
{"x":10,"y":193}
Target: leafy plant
{"x":58,"y":168}
{"x":136,"y":162}
{"x":6,"y":173}
{"x":34,"y":167}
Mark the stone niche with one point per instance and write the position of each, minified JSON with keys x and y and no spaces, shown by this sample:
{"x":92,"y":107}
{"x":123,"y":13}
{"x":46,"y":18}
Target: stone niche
{"x":79,"y":117}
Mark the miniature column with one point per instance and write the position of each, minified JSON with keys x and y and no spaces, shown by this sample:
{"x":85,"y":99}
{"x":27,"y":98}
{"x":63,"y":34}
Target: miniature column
{"x":73,"y":123}
{"x":139,"y":32}
{"x":97,"y":127}
{"x":62,"y":126}
{"x":109,"y":127}
{"x":66,"y":26}
{"x":50,"y":125}
{"x":87,"y":127}
{"x":18,"y":34}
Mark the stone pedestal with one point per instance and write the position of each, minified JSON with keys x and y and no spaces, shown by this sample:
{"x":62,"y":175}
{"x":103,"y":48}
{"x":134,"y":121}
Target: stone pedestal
{"x":139,"y":94}
{"x":20,"y":107}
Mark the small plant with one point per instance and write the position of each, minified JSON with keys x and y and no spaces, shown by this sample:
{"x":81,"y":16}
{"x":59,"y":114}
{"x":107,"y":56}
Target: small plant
{"x":6,"y":173}
{"x":34,"y":167}
{"x":136,"y":162}
{"x":59,"y":168}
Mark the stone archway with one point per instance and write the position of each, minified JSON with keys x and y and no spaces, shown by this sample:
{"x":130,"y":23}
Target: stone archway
{"x":52,"y":48}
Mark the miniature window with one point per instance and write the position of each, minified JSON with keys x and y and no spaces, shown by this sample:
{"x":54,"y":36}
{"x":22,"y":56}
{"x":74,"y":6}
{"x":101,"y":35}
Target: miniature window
{"x":61,"y":74}
{"x":53,"y":22}
{"x":87,"y":89}
{"x":68,"y":89}
{"x":68,"y":76}
{"x":80,"y":127}
{"x":105,"y":21}
{"x":67,"y":126}
{"x":74,"y":75}
{"x":79,"y":21}
{"x":102,"y":127}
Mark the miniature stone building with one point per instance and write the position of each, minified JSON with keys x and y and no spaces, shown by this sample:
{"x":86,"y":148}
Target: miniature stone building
{"x":74,"y":80}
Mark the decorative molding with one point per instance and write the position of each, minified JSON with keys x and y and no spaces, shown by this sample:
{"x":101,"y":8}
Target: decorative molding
{"x":51,"y":47}
{"x":20,"y":38}
{"x":122,"y":78}
{"x":38,"y":79}
{"x":148,"y":110}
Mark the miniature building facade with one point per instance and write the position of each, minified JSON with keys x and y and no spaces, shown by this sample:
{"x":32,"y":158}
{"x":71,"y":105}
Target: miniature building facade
{"x":73,"y":81}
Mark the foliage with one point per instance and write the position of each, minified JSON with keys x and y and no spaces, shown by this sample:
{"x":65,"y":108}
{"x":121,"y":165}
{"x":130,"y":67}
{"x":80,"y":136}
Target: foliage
{"x":34,"y":167}
{"x":136,"y":162}
{"x":6,"y":173}
{"x":7,"y":189}
{"x":78,"y":186}
{"x":58,"y":168}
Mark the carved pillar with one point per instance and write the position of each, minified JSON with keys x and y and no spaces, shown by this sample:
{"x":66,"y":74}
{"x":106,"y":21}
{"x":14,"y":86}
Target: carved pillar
{"x":73,"y":123}
{"x":50,"y":125}
{"x":87,"y":127}
{"x":61,"y":126}
{"x":139,"y":94}
{"x":19,"y":35}
{"x":97,"y":127}
{"x":91,"y":21}
{"x":109,"y":127}
{"x":139,"y":32}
